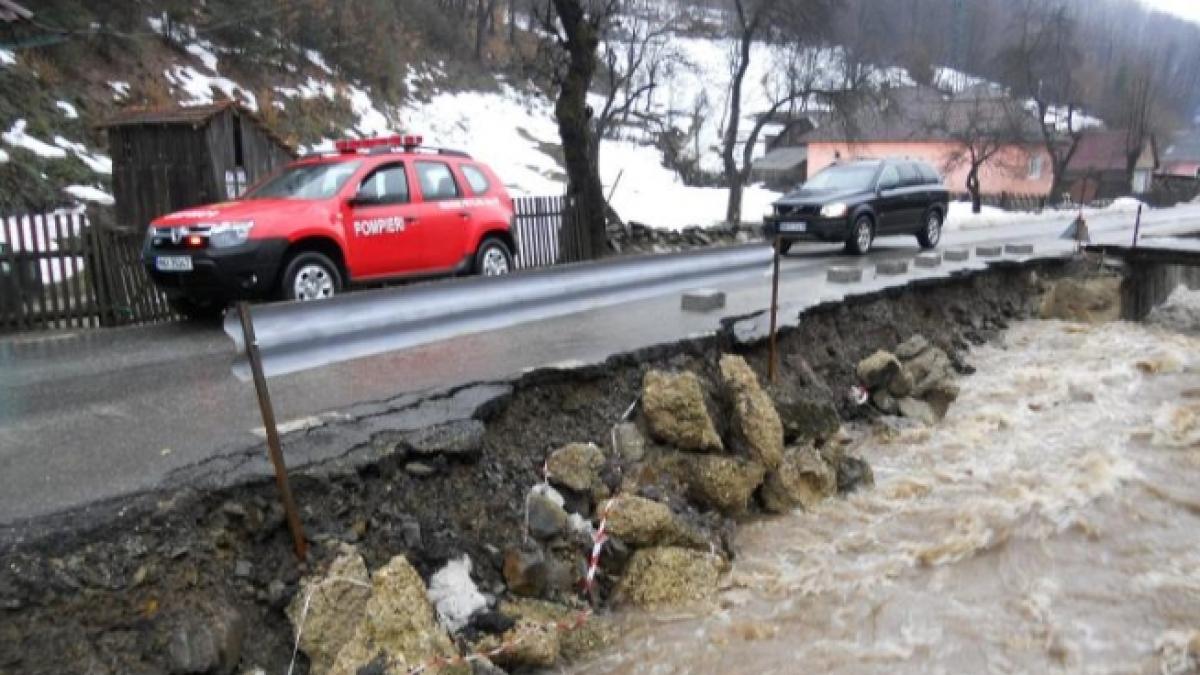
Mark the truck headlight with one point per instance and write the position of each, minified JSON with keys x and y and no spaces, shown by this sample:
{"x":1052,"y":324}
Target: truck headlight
{"x":833,"y":210}
{"x":224,"y":235}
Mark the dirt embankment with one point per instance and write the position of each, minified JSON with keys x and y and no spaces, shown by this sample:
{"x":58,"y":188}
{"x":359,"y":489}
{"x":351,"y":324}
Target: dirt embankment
{"x":203,"y":580}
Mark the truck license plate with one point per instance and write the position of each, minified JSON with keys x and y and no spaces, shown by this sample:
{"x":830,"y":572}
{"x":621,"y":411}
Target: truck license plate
{"x":793,"y":227}
{"x":173,"y":263}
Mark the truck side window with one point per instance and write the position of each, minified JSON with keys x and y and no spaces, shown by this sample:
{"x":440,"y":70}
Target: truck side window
{"x":386,"y":185}
{"x":909,"y":174}
{"x":478,"y":180}
{"x":437,"y":182}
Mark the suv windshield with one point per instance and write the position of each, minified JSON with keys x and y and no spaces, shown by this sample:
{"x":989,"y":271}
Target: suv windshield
{"x":840,"y":178}
{"x":306,"y":181}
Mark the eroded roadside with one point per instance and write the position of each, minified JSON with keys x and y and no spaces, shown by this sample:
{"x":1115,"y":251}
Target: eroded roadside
{"x":199,"y":580}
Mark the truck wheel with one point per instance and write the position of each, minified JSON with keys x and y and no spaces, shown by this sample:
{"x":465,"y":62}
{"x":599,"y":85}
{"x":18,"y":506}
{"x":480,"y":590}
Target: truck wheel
{"x":931,"y":233}
{"x":493,"y":259}
{"x":311,"y":276}
{"x":197,"y":310}
{"x":861,"y":236}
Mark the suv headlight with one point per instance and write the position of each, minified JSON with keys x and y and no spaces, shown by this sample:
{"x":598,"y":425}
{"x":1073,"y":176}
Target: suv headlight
{"x":833,"y":210}
{"x":224,"y":235}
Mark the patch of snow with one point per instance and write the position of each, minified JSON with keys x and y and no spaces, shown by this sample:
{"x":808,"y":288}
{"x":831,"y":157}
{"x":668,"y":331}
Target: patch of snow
{"x":314,"y":57}
{"x":3,"y":156}
{"x":67,"y":109}
{"x":205,"y":55}
{"x":120,"y":90}
{"x":961,"y":217}
{"x":455,"y":595}
{"x":7,"y":58}
{"x":88,"y":193}
{"x":312,"y":88}
{"x":17,"y":137}
{"x":199,"y":87}
{"x":96,"y":162}
{"x":371,"y":121}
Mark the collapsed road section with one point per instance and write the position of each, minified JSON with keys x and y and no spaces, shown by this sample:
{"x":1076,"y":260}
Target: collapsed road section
{"x":500,"y":522}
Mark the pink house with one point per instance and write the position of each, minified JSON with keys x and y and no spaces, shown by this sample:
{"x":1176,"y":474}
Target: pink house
{"x":922,"y":123}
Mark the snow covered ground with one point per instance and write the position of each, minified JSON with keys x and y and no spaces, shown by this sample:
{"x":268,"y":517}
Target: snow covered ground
{"x":961,"y":217}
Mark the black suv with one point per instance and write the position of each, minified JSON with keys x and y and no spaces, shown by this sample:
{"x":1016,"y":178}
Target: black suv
{"x":854,"y":202}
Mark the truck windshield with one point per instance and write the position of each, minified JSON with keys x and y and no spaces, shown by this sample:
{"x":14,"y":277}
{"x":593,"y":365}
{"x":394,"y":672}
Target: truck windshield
{"x":306,"y":181}
{"x":841,"y":178}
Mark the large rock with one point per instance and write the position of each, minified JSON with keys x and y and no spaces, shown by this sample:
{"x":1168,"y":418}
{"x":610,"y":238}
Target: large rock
{"x":336,"y":602}
{"x":912,"y":348}
{"x":878,"y":370}
{"x":757,"y":428}
{"x":547,"y":518}
{"x":630,"y":444}
{"x":676,"y":413}
{"x":638,"y":521}
{"x":398,"y":623}
{"x":853,"y":473}
{"x":918,"y":410}
{"x":724,"y":483}
{"x":1086,"y":300}
{"x":928,"y":369}
{"x":665,"y":576}
{"x":576,"y":637}
{"x":576,"y":466}
{"x":803,"y":480}
{"x":529,"y":571}
{"x":805,"y":416}
{"x":940,"y":396}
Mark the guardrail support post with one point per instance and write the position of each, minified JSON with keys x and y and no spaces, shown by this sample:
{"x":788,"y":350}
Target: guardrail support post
{"x":273,"y":446}
{"x":773,"y":356}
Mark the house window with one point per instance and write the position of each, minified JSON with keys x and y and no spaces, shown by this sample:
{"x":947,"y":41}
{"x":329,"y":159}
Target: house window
{"x":1035,"y":167}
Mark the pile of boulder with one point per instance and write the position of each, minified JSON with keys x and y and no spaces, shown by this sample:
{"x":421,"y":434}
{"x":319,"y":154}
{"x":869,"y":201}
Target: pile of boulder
{"x":916,"y":381}
{"x":708,"y":448}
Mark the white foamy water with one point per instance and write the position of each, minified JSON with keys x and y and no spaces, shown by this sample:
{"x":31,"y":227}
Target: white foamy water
{"x":1050,"y":524}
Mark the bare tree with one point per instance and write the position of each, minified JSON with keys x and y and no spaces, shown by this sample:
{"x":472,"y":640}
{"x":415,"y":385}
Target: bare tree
{"x":636,"y":54}
{"x":795,"y":21}
{"x":983,"y":127}
{"x":1045,"y":63}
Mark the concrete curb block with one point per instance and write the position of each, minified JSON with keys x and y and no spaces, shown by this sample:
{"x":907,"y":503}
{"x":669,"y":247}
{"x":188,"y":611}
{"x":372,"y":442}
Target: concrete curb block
{"x":1019,"y":249}
{"x":957,"y":255}
{"x":989,"y":251}
{"x":891,"y":268}
{"x":927,"y":260}
{"x":844,"y":275}
{"x":702,"y":300}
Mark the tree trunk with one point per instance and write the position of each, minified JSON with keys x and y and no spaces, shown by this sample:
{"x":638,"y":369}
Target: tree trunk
{"x":481,"y":22}
{"x":574,"y":128}
{"x":733,"y":178}
{"x":973,"y":188}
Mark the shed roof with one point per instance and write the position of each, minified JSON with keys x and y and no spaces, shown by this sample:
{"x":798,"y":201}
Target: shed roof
{"x":782,"y":159}
{"x":1184,"y":147}
{"x":1100,"y":151}
{"x":194,"y":116}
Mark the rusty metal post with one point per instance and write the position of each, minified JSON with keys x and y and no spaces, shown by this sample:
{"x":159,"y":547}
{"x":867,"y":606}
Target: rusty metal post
{"x":773,"y":366}
{"x":1137,"y":226}
{"x":273,"y":446}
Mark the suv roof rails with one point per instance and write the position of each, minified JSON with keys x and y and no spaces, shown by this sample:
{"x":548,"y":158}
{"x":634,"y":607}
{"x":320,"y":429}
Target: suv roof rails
{"x":418,"y":151}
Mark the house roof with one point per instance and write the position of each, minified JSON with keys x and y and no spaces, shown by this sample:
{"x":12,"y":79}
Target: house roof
{"x":194,"y":116}
{"x":11,"y":11}
{"x":1184,"y":147}
{"x":920,"y":114}
{"x":782,"y":159}
{"x":1100,"y":151}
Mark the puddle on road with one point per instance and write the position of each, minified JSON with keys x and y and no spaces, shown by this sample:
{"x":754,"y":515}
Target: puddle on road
{"x":1050,"y":524}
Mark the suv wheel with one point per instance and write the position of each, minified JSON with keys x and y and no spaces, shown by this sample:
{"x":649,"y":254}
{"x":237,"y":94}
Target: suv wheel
{"x":493,"y":259}
{"x":861,"y":236}
{"x":931,"y":234}
{"x":311,"y":276}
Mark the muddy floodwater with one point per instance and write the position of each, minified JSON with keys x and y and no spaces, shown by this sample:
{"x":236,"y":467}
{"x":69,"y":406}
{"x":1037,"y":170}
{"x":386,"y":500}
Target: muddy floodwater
{"x":1050,"y":524}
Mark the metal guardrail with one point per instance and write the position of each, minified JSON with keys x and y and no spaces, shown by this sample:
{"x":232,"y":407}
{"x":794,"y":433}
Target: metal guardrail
{"x":297,"y":336}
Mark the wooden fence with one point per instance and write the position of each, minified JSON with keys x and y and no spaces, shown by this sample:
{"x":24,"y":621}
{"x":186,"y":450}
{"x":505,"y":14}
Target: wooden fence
{"x":1006,"y":201}
{"x":546,"y":232}
{"x":62,"y":270}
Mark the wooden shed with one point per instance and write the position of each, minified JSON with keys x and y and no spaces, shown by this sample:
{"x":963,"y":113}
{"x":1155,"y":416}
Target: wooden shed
{"x":165,"y":160}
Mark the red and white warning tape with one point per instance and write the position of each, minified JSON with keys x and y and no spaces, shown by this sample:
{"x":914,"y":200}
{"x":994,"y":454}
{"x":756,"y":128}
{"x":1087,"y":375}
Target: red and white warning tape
{"x":599,"y":538}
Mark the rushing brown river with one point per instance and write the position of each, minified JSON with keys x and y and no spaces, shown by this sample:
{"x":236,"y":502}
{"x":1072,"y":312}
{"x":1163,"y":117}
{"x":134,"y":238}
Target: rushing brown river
{"x":1050,"y":524}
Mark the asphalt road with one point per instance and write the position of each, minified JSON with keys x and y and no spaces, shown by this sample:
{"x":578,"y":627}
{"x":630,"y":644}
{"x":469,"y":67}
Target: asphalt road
{"x":91,"y":415}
